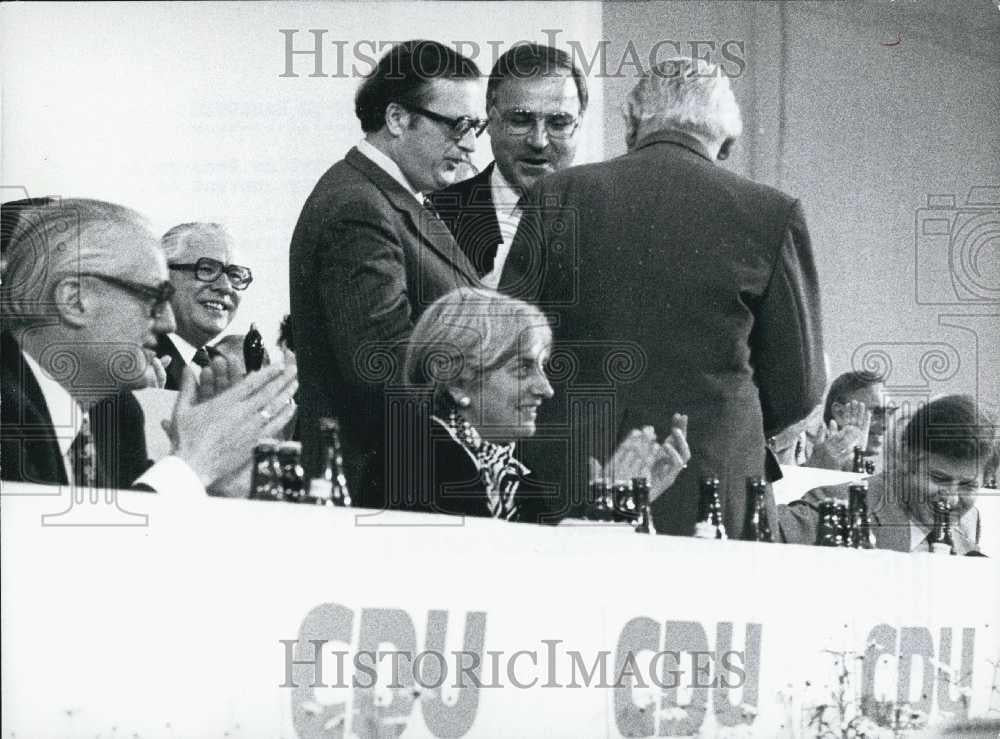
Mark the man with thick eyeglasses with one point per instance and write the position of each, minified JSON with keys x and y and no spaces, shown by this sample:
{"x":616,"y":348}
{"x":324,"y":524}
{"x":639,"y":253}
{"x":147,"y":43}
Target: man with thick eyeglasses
{"x":208,"y":288}
{"x":368,"y":255}
{"x":536,"y":98}
{"x":84,"y":298}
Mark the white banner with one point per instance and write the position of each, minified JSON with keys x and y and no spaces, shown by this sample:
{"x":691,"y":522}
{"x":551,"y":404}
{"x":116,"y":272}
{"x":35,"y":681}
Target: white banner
{"x":206,"y":621}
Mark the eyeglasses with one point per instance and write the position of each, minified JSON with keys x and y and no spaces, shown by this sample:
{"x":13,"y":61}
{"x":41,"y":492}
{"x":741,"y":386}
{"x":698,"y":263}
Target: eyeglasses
{"x":209,"y":270}
{"x":883,"y":412}
{"x":158,"y":295}
{"x":459,"y":126}
{"x":557,"y":125}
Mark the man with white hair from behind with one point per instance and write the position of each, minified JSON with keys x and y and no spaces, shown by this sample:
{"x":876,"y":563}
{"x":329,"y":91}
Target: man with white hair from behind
{"x":701,"y":280}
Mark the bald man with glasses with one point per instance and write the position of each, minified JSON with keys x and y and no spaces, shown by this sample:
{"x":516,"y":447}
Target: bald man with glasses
{"x":85,"y":295}
{"x":369,"y":253}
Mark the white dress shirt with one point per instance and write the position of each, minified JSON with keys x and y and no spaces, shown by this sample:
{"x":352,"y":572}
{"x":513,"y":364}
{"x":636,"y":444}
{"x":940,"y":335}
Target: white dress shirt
{"x":391,"y":168}
{"x":505,"y":202}
{"x":187,"y":353}
{"x":65,"y":412}
{"x":963,"y":536}
{"x":170,"y":475}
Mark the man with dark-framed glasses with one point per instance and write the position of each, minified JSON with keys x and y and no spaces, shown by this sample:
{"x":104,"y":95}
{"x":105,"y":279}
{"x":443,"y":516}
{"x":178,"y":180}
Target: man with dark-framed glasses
{"x":208,"y":288}
{"x":369,"y":253}
{"x":85,"y":296}
{"x":536,"y":98}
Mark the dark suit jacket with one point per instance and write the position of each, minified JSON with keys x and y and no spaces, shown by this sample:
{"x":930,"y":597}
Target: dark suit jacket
{"x":447,"y":481}
{"x":166,"y":348}
{"x":677,"y":286}
{"x":467,"y":209}
{"x":30,"y":452}
{"x":366,"y":260}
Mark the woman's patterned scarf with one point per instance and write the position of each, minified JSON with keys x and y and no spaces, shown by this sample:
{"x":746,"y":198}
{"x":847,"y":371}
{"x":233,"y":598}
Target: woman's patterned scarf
{"x":499,"y":471}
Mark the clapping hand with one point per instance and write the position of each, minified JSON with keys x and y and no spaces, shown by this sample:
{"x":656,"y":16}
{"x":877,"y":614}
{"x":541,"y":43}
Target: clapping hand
{"x":641,"y":455}
{"x":156,"y":371}
{"x":836,"y":446}
{"x":217,"y":435}
{"x":221,"y":374}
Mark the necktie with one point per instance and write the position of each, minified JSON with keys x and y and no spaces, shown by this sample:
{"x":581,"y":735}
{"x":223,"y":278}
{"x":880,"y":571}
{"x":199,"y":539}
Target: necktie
{"x":508,"y":222}
{"x":82,"y":454}
{"x":201,"y":357}
{"x":430,"y":206}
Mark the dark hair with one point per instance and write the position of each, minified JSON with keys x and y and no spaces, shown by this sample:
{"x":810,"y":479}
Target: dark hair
{"x":285,"y":335}
{"x":528,"y":60}
{"x":403,"y":76}
{"x":848,"y":383}
{"x":953,"y":428}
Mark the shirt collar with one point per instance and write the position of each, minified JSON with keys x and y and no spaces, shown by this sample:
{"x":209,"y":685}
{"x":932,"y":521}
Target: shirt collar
{"x":186,"y":351}
{"x":891,"y":511}
{"x":963,"y":536}
{"x":475,"y":442}
{"x":505,"y":195}
{"x":383,"y":161}
{"x":65,"y":412}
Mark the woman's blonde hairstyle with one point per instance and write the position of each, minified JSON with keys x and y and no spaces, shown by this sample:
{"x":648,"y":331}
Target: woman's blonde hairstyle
{"x":464,"y":334}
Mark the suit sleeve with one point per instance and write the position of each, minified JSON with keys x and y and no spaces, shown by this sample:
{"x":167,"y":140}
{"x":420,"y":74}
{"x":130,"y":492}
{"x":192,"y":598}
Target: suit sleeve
{"x":786,"y":344}
{"x":798,"y":521}
{"x":362,"y":273}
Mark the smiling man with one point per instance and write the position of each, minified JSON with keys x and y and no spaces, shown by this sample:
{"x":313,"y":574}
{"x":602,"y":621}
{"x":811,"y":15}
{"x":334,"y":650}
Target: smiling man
{"x":207,"y":290}
{"x":536,"y":98}
{"x":84,"y":298}
{"x":367,"y":256}
{"x":946,"y":451}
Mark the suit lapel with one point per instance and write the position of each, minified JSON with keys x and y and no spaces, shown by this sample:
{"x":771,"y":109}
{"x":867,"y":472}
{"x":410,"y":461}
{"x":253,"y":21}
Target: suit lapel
{"x":470,"y":213}
{"x":432,"y":231}
{"x":30,"y":449}
{"x":166,"y":348}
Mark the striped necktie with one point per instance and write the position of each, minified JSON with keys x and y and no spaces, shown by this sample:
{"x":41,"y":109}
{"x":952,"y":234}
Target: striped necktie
{"x":82,"y":455}
{"x":201,"y":357}
{"x":430,"y":206}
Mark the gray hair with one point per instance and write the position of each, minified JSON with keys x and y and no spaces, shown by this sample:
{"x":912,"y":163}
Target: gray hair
{"x":689,"y":95}
{"x":466,"y":333}
{"x":179,"y":238}
{"x":55,"y":240}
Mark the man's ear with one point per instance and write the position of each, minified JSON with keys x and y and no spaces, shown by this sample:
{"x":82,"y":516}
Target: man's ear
{"x":631,"y":131}
{"x":397,"y":119}
{"x":726,"y":149}
{"x":70,"y":301}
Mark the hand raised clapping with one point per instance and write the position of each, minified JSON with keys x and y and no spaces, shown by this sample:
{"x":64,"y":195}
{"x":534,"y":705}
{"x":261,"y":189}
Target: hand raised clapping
{"x":835,"y":449}
{"x":641,"y":455}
